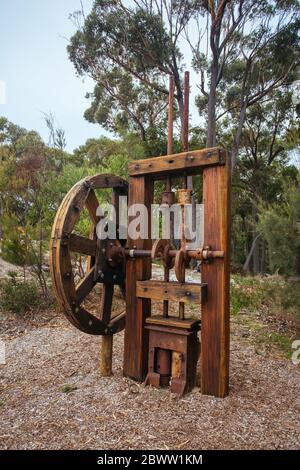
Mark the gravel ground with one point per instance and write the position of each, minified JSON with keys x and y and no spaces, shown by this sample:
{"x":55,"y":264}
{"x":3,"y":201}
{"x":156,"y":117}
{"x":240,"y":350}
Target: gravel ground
{"x":52,"y":397}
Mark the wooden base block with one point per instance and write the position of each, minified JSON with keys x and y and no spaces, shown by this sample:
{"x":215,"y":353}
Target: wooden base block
{"x":183,"y":346}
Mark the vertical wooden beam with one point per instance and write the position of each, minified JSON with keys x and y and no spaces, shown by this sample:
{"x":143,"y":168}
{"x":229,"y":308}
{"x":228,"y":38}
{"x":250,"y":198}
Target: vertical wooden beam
{"x":106,"y":356}
{"x":137,"y":310}
{"x":216,"y":311}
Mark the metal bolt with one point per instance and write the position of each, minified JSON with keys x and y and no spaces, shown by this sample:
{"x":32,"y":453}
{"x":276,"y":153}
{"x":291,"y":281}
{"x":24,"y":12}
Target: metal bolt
{"x":103,"y":250}
{"x":188,"y":293}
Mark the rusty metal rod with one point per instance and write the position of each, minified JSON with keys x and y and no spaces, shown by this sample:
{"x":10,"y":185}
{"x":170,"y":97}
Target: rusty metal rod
{"x":170,"y":126}
{"x":185,"y":130}
{"x":192,"y":254}
{"x":185,"y":134}
{"x":170,"y":116}
{"x":168,"y":181}
{"x":185,"y":142}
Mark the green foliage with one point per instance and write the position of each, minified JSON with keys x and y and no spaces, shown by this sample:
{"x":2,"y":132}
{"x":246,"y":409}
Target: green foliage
{"x":121,"y":105}
{"x":127,"y":51}
{"x":246,"y":293}
{"x":280,"y":226}
{"x":18,"y":296}
{"x":273,"y":295}
{"x":267,"y":310}
{"x":67,"y":388}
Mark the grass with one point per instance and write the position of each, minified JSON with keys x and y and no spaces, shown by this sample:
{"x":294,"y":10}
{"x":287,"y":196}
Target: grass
{"x":67,"y":388}
{"x":267,"y":310}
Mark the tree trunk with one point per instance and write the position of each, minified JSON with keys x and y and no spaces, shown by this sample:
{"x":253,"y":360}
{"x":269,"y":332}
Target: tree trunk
{"x":247,"y":262}
{"x":237,"y":138}
{"x":255,"y":254}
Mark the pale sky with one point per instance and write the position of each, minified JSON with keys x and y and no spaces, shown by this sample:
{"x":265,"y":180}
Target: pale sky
{"x":36,"y":72}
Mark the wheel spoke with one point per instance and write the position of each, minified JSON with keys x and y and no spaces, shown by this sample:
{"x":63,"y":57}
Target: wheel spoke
{"x":106,"y":302}
{"x":123,"y":289}
{"x":85,"y":286}
{"x":83,"y":245}
{"x":92,"y":205}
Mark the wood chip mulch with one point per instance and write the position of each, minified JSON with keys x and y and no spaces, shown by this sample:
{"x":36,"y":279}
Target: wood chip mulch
{"x":52,"y":397}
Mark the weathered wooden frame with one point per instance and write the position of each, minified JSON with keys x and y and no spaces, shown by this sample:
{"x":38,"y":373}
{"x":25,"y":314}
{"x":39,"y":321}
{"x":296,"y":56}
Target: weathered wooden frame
{"x":215,"y":166}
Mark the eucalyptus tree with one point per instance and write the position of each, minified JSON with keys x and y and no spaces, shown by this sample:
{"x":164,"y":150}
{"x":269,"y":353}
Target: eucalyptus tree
{"x":242,"y":50}
{"x":130,"y":48}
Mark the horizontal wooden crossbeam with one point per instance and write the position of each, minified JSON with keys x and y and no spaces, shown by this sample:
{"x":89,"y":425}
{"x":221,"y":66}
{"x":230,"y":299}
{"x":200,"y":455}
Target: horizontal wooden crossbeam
{"x":190,"y":293}
{"x":173,"y":322}
{"x":189,"y":162}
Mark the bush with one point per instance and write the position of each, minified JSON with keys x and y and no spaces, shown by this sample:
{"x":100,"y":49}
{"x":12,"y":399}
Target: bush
{"x":280,"y":226}
{"x":18,"y":296}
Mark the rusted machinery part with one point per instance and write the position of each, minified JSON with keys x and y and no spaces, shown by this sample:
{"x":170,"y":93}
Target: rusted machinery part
{"x":168,"y":261}
{"x":198,"y":254}
{"x":161,"y":249}
{"x":184,"y":196}
{"x":180,"y":264}
{"x":64,"y":241}
{"x":158,"y":248}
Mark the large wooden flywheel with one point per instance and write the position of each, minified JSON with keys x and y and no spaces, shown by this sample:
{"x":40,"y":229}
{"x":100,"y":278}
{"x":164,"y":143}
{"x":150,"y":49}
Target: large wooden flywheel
{"x":103,"y":266}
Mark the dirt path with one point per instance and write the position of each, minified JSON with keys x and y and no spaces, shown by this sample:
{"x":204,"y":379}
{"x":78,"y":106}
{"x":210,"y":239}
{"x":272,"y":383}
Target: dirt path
{"x":44,"y":363}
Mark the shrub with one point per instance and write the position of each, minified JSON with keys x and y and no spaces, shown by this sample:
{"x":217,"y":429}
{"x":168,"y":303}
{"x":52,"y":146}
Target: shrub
{"x":18,"y":296}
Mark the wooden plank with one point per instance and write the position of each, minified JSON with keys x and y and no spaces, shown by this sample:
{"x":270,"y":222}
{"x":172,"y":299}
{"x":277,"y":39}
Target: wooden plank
{"x":83,"y":245}
{"x":84,"y":287}
{"x":173,"y":322}
{"x":190,"y":293}
{"x":92,"y":205}
{"x":215,"y":312}
{"x":106,"y":302}
{"x":137,"y":310}
{"x":187,"y":161}
{"x":117,"y":323}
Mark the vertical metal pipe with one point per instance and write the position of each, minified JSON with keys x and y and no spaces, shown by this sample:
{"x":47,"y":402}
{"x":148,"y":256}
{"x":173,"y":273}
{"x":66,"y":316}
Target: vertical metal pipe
{"x":186,"y":111}
{"x":185,"y":139}
{"x":168,"y":181}
{"x":170,"y":116}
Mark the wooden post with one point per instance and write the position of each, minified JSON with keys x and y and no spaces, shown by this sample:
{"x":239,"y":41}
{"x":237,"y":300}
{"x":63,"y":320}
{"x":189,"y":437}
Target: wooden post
{"x":137,"y":309}
{"x":216,"y":311}
{"x":106,"y":356}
